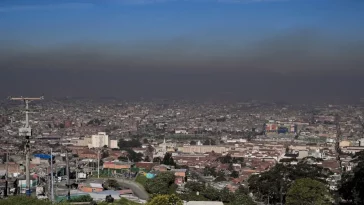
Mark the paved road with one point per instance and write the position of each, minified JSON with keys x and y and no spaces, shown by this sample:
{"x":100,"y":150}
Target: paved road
{"x":138,"y":190}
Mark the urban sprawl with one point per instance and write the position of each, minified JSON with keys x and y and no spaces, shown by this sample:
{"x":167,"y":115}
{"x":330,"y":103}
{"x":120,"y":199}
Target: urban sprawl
{"x":124,"y":150}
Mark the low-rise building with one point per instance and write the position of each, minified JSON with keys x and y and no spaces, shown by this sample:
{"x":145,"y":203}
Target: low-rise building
{"x":91,"y":187}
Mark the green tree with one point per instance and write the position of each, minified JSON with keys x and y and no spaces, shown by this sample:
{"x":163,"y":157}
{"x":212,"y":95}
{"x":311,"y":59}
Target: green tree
{"x":122,"y":158}
{"x":112,"y":184}
{"x":209,"y":171}
{"x":194,"y":186}
{"x":231,"y":167}
{"x":157,"y":159}
{"x":227,"y":159}
{"x":168,"y":160}
{"x":352,"y":183}
{"x":83,"y":198}
{"x":211,"y":193}
{"x":150,"y":149}
{"x":196,"y":176}
{"x":104,"y":154}
{"x":234,"y":174}
{"x":226,"y":196}
{"x":220,"y":176}
{"x":133,"y":156}
{"x":242,"y":190}
{"x":23,"y":200}
{"x":242,"y":199}
{"x":141,"y":179}
{"x":165,"y":200}
{"x":192,"y":197}
{"x":93,"y":122}
{"x":346,"y":186}
{"x":129,"y":144}
{"x":147,"y":159}
{"x":157,"y":187}
{"x":307,"y":191}
{"x":161,"y":184}
{"x":209,"y":142}
{"x":275,"y":182}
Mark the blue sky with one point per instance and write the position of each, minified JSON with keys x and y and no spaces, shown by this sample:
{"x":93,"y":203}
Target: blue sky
{"x":59,"y":21}
{"x":183,"y":34}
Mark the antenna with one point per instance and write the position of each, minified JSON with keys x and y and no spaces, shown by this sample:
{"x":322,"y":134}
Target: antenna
{"x":27,"y":132}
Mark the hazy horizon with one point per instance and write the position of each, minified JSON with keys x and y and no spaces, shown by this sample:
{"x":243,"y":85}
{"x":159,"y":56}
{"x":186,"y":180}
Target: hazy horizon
{"x":290,"y":50}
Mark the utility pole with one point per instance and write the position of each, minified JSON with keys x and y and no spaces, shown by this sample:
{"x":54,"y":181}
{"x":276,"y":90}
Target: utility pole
{"x":56,"y":178}
{"x":98,"y":163}
{"x":48,"y":184}
{"x":27,"y":132}
{"x":68,"y":177}
{"x":76,"y":170}
{"x":52,"y":178}
{"x":6,"y":176}
{"x":280,"y":190}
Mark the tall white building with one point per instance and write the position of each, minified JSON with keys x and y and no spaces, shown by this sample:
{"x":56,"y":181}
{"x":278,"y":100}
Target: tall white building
{"x":113,"y":144}
{"x":99,"y":140}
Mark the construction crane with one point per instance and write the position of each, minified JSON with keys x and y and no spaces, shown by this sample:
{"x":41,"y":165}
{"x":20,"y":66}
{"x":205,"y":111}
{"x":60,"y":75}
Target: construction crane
{"x":26,"y":131}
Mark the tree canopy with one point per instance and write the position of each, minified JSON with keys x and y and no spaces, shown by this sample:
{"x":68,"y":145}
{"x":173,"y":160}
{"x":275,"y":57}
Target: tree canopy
{"x":307,"y":191}
{"x":165,"y":200}
{"x":157,"y":159}
{"x":147,"y":159}
{"x":210,"y":193}
{"x":161,"y":184}
{"x":209,"y":142}
{"x":168,"y":160}
{"x":129,"y":144}
{"x":242,"y":199}
{"x":133,"y":156}
{"x":112,"y":184}
{"x":352,"y":183}
{"x":275,"y":182}
{"x":209,"y":171}
{"x":24,"y":200}
{"x":194,"y":186}
{"x":234,"y":174}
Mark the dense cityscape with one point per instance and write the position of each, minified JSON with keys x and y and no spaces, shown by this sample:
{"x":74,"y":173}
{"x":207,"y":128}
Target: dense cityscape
{"x":223,"y":153}
{"x":181,"y":102}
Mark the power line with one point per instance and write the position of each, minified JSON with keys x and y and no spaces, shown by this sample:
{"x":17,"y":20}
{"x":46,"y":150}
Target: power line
{"x":27,"y":132}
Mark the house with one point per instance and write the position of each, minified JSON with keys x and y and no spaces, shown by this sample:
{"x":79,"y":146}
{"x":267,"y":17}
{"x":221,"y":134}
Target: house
{"x":145,"y":166}
{"x":333,"y":165}
{"x":162,"y":168}
{"x":13,"y":168}
{"x":140,"y":150}
{"x":91,"y":187}
{"x":117,"y":165}
{"x":87,"y":155}
{"x":180,"y":176}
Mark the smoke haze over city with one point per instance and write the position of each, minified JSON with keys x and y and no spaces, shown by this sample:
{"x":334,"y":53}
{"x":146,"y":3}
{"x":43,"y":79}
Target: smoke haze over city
{"x":272,"y":50}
